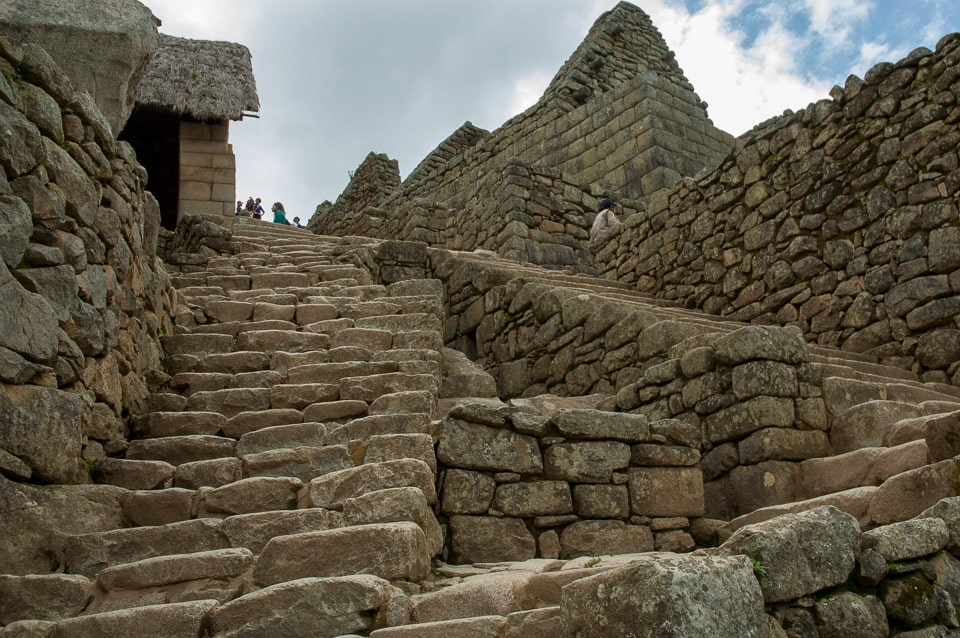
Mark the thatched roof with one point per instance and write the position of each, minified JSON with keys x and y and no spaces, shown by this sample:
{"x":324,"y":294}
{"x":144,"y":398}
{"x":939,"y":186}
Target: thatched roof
{"x":201,"y":79}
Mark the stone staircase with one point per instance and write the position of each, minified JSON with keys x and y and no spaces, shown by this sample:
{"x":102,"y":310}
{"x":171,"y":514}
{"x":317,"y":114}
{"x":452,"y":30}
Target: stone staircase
{"x":285,"y":481}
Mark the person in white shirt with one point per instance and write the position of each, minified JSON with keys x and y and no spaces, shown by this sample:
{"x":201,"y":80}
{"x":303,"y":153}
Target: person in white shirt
{"x":605,"y":220}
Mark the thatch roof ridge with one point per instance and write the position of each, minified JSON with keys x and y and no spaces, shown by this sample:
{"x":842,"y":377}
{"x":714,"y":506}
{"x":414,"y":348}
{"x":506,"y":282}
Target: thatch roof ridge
{"x":203,"y":79}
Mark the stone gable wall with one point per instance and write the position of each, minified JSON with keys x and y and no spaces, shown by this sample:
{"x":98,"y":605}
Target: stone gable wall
{"x":840,"y":219}
{"x":83,"y":297}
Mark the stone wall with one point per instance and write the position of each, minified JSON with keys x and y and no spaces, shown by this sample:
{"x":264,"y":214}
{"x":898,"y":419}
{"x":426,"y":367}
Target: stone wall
{"x":520,"y":484}
{"x":840,"y":219}
{"x":619,"y":118}
{"x":83,"y":297}
{"x":776,"y":418}
{"x":208,"y":180}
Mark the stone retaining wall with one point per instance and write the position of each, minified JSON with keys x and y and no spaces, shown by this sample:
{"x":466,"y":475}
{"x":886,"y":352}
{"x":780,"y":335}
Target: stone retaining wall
{"x":518,"y":484}
{"x":83,"y":297}
{"x":840,"y":219}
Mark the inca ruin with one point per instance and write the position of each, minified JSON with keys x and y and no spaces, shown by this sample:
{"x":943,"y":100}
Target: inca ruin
{"x":440,"y":410}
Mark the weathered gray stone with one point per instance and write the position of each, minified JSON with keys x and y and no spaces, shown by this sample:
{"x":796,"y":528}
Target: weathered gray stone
{"x":586,"y":462}
{"x":331,"y":490}
{"x":43,"y":427}
{"x":537,"y":498}
{"x":23,"y":147}
{"x":848,"y":614}
{"x":466,"y":492}
{"x":253,"y":531}
{"x":594,"y":424}
{"x":478,"y":447}
{"x":907,"y":540}
{"x":395,"y":505}
{"x":28,"y":322}
{"x":778,"y":444}
{"x":209,"y":473}
{"x":168,"y":570}
{"x":800,"y":553}
{"x":598,"y":538}
{"x":46,"y":597}
{"x":650,"y":454}
{"x":481,"y":539}
{"x":752,"y":415}
{"x":391,"y":447}
{"x":304,"y":463}
{"x":761,"y":342}
{"x":764,"y":378}
{"x":666,"y":491}
{"x":641,"y":599}
{"x":256,"y":494}
{"x":602,"y":501}
{"x":16,"y":225}
{"x":909,"y":600}
{"x":391,"y":551}
{"x":166,"y":621}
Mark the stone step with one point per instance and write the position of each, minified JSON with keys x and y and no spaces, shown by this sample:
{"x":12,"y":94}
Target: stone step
{"x":885,"y":423}
{"x":304,"y":463}
{"x":840,"y":394}
{"x":176,"y":450}
{"x":133,"y":475}
{"x":279,"y":437}
{"x":174,"y":620}
{"x":210,"y":567}
{"x":197,"y":344}
{"x":899,"y":498}
{"x":189,"y":383}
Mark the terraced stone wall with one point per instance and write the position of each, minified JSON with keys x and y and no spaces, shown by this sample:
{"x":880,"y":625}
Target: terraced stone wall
{"x":840,"y":220}
{"x":776,"y":423}
{"x":83,"y":298}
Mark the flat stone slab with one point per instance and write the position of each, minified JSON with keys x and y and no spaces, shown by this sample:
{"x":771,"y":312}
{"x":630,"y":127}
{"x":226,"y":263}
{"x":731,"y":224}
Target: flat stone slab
{"x":164,"y":621}
{"x":162,"y":424}
{"x":304,"y":463}
{"x":43,"y":597}
{"x":231,"y":401}
{"x":331,"y":490}
{"x":88,"y":554}
{"x":253,"y":531}
{"x":391,"y":551}
{"x":176,"y":450}
{"x":282,"y":436}
{"x":257,"y":494}
{"x":178,"y":568}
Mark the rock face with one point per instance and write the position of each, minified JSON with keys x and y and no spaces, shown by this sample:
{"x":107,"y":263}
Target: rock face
{"x":103,"y":48}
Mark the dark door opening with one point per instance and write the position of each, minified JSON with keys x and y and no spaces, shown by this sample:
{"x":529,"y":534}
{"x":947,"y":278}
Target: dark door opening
{"x":155,"y":136}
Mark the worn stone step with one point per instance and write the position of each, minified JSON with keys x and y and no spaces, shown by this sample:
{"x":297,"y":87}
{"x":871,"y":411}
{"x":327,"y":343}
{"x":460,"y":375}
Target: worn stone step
{"x":255,"y":530}
{"x":859,"y":468}
{"x":840,"y":394}
{"x":255,"y":494}
{"x":47,"y":597}
{"x":302,"y":395}
{"x":175,"y":620}
{"x":363,"y":428}
{"x":210,"y":473}
{"x":875,"y":423}
{"x":338,"y":606}
{"x":282,"y":436}
{"x":197,"y":344}
{"x":253,"y":420}
{"x":172,"y":569}
{"x":334,"y":372}
{"x":176,"y":450}
{"x":331,"y":490}
{"x":88,"y":554}
{"x":282,"y":340}
{"x":392,"y":551}
{"x":304,"y":463}
{"x":898,"y":498}
{"x":231,"y":401}
{"x":370,"y":388}
{"x":401,"y":322}
{"x":232,"y":363}
{"x":133,"y":475}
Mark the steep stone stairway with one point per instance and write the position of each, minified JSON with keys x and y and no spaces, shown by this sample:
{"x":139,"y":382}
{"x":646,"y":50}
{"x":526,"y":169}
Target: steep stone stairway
{"x":286,"y":476}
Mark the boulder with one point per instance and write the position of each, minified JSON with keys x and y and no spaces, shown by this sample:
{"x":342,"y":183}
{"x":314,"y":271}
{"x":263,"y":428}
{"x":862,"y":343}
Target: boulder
{"x":799,"y":554}
{"x":395,"y":505}
{"x":165,"y":621}
{"x":692,"y":595}
{"x":498,"y":593}
{"x":104,"y":48}
{"x":43,"y":426}
{"x":47,"y":597}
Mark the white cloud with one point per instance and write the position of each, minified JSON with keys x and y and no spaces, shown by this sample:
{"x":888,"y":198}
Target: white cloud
{"x":743,"y":87}
{"x":834,"y":19}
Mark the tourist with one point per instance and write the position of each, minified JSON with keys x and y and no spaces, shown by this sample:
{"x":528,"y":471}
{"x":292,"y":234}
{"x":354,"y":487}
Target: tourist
{"x":296,"y":222}
{"x":606,"y":220}
{"x":250,"y":209}
{"x":279,"y":217}
{"x":258,"y":209}
{"x":239,"y":207}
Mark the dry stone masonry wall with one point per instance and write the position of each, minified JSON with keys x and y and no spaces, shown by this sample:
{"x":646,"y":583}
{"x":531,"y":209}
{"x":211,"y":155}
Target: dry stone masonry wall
{"x":83,"y":298}
{"x":619,"y":117}
{"x":840,"y":219}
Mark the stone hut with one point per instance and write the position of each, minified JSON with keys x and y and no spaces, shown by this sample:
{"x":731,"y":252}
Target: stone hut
{"x":180,"y":125}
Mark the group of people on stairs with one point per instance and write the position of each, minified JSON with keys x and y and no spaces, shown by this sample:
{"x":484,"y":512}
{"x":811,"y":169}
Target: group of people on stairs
{"x":253,"y":208}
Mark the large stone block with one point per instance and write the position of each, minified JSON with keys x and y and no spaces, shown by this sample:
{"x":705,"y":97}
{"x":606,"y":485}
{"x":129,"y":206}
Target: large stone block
{"x":585,"y":462}
{"x":46,"y":597}
{"x":666,"y":491}
{"x":482,"y":539}
{"x":600,"y":538}
{"x":395,"y":505}
{"x":693,"y":595}
{"x":331,"y":490}
{"x":466,"y":492}
{"x":801,"y":553}
{"x":392,"y":551}
{"x":479,"y":447}
{"x":537,"y":498}
{"x":43,"y":426}
{"x":165,"y":621}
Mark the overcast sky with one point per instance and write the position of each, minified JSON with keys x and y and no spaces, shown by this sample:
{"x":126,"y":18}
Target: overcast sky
{"x":338,"y":79}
